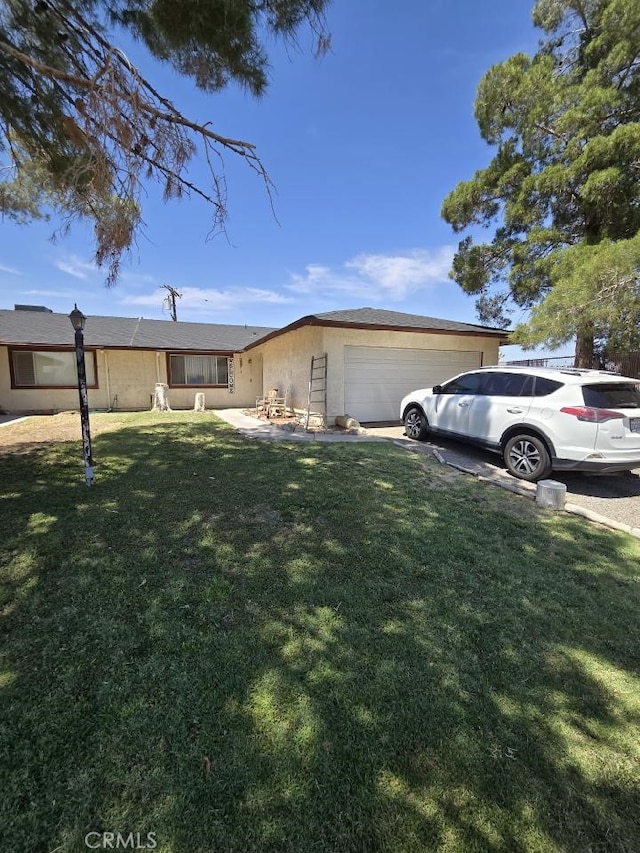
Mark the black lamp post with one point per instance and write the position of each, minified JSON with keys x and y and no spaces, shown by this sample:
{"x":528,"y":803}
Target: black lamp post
{"x":77,"y":321}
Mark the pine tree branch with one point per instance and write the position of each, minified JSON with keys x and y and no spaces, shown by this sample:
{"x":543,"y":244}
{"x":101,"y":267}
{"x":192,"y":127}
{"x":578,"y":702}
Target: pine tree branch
{"x":174,"y":117}
{"x":551,"y":132}
{"x":84,"y":128}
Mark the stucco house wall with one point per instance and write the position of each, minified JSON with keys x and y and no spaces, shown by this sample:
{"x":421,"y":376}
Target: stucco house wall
{"x":247,"y":372}
{"x":286,"y":362}
{"x":16,"y":400}
{"x":126,"y":380}
{"x":287,"y":357}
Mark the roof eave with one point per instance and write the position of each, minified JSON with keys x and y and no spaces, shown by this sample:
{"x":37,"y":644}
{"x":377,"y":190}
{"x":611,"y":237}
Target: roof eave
{"x":313,"y":320}
{"x":91,"y":345}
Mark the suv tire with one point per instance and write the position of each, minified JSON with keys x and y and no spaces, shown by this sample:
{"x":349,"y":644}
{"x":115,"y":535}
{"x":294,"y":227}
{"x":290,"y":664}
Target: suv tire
{"x":416,"y":425}
{"x":526,"y":457}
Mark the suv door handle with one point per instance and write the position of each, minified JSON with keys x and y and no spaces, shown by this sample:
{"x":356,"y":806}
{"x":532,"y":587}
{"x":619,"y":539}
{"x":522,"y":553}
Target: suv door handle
{"x":463,"y":403}
{"x":515,"y":411}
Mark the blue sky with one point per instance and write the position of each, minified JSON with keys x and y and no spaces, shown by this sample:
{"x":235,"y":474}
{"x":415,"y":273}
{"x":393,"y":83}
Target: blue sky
{"x":362,"y":146}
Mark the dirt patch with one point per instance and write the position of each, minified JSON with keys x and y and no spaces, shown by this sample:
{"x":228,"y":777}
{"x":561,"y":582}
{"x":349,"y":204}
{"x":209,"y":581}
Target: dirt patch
{"x":442,"y":477}
{"x":37,"y":430}
{"x":295,"y":423}
{"x":260,"y":515}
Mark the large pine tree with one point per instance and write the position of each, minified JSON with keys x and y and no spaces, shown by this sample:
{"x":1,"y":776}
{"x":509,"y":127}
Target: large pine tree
{"x":562,"y":193}
{"x":81,"y":128}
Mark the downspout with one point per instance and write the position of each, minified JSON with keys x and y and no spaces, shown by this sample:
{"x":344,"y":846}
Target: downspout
{"x":107,"y":378}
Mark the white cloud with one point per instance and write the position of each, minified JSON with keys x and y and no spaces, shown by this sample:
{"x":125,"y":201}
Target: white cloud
{"x":62,"y":294}
{"x":10,"y":270}
{"x":202,"y":299}
{"x":75,"y":267}
{"x":391,"y":277}
{"x":137,"y":277}
{"x":400,"y":274}
{"x":319,"y":280}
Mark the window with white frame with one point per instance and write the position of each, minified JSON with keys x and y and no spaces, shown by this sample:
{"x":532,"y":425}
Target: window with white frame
{"x":198,"y":370}
{"x":49,"y":368}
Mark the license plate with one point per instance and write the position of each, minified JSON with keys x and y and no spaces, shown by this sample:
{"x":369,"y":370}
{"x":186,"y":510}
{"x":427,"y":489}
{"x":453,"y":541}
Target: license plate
{"x":634,"y":424}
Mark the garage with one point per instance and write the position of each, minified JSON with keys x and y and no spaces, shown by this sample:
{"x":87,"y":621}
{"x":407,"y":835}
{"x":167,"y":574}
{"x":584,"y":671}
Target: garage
{"x":373,"y":358}
{"x":377,"y":378}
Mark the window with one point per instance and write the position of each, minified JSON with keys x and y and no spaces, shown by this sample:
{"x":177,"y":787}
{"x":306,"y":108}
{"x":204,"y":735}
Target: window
{"x":545,"y":386}
{"x":509,"y":385}
{"x":49,"y":368}
{"x":468,"y":383}
{"x":616,"y":395}
{"x":194,"y":370}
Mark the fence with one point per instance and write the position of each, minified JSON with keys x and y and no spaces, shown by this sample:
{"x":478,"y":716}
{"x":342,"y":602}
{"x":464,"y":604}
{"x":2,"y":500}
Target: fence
{"x":626,"y":364}
{"x":555,"y":361}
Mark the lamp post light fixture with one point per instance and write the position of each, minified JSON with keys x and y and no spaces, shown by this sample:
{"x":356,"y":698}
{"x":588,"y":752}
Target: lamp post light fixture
{"x":77,"y":321}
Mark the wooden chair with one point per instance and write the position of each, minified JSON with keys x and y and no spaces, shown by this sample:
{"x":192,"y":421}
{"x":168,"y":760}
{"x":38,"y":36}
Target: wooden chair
{"x":272,"y":405}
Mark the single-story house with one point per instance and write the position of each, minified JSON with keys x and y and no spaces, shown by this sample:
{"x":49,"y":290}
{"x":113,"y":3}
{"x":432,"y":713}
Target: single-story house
{"x":125,"y":358}
{"x":369,"y":357}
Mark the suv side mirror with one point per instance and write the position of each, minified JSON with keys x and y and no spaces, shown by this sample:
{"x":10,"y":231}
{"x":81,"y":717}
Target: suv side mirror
{"x":437,"y":389}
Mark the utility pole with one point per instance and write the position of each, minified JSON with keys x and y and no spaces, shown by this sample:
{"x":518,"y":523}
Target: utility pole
{"x":170,"y":301}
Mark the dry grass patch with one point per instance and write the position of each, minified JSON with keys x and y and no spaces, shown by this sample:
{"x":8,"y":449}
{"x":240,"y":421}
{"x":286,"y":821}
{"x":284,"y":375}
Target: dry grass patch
{"x":37,"y":430}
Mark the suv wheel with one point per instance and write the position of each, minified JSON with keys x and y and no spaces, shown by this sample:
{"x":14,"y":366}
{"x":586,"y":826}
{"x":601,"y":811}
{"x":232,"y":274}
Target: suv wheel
{"x":527,"y":458}
{"x":415,"y":424}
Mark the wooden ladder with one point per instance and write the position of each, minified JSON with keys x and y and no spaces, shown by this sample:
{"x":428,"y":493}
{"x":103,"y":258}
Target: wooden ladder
{"x":317,"y":396}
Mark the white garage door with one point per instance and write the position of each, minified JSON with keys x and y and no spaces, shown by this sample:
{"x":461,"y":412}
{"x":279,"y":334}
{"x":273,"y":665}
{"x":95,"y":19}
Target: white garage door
{"x":377,"y":378}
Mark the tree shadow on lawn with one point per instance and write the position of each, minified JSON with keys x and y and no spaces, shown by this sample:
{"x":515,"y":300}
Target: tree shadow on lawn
{"x":251,"y":647}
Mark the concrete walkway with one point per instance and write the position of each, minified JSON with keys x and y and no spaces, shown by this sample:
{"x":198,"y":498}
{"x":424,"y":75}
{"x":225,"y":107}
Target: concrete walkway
{"x":256,"y":428}
{"x":5,"y":420}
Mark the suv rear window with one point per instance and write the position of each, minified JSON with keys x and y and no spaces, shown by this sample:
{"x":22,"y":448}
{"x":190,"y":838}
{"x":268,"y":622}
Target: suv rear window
{"x":613,"y":395}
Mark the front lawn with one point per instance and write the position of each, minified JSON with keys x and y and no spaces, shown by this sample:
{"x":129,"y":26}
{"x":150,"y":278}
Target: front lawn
{"x":239,"y":646}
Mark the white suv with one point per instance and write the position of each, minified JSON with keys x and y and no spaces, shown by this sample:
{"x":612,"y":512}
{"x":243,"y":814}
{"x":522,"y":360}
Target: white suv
{"x":539,"y":419}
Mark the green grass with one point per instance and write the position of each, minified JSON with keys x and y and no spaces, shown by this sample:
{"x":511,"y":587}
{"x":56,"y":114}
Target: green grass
{"x":241,"y":646}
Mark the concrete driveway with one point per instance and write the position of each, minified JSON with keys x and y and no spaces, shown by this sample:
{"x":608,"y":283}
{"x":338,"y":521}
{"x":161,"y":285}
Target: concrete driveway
{"x":11,"y":419}
{"x":616,"y":497}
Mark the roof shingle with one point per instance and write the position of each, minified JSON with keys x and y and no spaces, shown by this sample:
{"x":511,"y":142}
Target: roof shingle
{"x":28,"y":327}
{"x":49,"y":329}
{"x":381,"y":317}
